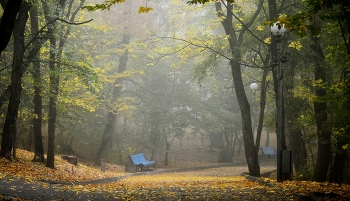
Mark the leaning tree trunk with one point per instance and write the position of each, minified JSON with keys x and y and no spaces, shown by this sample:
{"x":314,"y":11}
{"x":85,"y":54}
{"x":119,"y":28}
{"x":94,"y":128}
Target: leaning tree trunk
{"x":262,"y":110}
{"x":9,"y":129}
{"x":106,"y":143}
{"x":248,"y":139}
{"x":234,"y":42}
{"x":8,"y":18}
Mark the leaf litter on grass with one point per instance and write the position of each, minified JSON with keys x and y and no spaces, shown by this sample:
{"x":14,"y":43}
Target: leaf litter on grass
{"x":195,"y":185}
{"x":63,"y":172}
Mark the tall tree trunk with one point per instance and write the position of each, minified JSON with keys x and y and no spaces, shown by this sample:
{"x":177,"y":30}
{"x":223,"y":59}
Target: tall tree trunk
{"x":14,"y":138}
{"x":9,"y":129}
{"x":37,"y":120}
{"x":341,"y":154}
{"x":234,"y":42}
{"x":166,"y":158}
{"x":267,"y":142}
{"x":227,"y":146}
{"x":320,"y":108}
{"x":262,"y":111}
{"x":106,"y":143}
{"x":155,"y":139}
{"x":295,"y":134}
{"x":11,"y":8}
{"x":54,"y":86}
{"x":5,"y":96}
{"x":17,"y":72}
{"x":55,"y":68}
{"x":54,"y":83}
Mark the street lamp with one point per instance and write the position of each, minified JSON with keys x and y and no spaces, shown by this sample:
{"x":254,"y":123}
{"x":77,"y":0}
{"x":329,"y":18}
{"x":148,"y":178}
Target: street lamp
{"x":278,"y":31}
{"x":280,"y":60}
{"x":253,"y":86}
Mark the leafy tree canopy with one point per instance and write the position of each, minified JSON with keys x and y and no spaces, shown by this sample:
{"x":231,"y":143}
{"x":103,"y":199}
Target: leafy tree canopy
{"x":205,"y":1}
{"x":303,"y":21}
{"x":109,"y":3}
{"x":105,"y":5}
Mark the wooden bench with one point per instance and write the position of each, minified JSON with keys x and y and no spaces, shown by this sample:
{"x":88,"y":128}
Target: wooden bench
{"x":71,"y":159}
{"x":140,"y":161}
{"x":269,"y":152}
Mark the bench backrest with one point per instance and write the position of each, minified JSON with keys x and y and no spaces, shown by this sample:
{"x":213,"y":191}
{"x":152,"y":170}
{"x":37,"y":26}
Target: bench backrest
{"x":268,"y":150}
{"x":138,"y":158}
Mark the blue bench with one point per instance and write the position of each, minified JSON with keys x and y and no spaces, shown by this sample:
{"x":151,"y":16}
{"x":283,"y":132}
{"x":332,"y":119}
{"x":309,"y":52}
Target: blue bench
{"x":269,"y":152}
{"x":140,"y":161}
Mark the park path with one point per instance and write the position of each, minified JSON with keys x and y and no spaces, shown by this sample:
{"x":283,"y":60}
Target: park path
{"x":222,"y":169}
{"x":11,"y":188}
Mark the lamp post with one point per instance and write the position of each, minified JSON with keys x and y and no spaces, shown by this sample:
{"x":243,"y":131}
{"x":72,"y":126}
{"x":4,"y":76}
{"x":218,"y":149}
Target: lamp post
{"x":253,"y":86}
{"x":280,"y":60}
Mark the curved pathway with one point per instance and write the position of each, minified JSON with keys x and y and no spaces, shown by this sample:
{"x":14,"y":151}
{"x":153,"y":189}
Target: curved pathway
{"x":50,"y":190}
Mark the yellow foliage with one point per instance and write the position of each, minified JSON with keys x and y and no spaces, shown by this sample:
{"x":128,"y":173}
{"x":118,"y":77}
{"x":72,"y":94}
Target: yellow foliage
{"x":295,"y":44}
{"x":144,"y":9}
{"x":267,"y":40}
{"x":260,"y":28}
{"x":238,"y":26}
{"x":222,"y":18}
{"x":166,"y":186}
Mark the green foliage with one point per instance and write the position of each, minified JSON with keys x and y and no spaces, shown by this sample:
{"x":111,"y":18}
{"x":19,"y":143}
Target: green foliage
{"x":307,"y":174}
{"x":160,"y":98}
{"x":302,"y":22}
{"x":105,"y":5}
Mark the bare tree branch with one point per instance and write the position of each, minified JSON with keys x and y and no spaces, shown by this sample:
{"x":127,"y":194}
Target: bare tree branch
{"x":246,"y":26}
{"x":52,"y":21}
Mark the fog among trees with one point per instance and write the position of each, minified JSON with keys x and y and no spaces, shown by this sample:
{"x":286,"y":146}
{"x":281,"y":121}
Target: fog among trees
{"x":108,"y":79}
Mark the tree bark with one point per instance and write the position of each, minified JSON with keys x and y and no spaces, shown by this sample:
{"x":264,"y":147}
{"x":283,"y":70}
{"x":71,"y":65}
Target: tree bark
{"x":262,"y":111}
{"x":166,"y":157}
{"x":320,"y":108}
{"x":54,"y":87}
{"x":341,"y":154}
{"x":234,"y":42}
{"x":5,"y":96}
{"x":295,"y":134}
{"x":106,"y":143}
{"x":9,"y":129}
{"x":54,"y":83}
{"x":8,"y":19}
{"x":37,"y":120}
{"x":55,"y":69}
